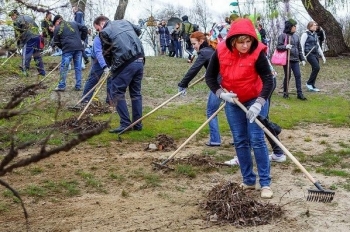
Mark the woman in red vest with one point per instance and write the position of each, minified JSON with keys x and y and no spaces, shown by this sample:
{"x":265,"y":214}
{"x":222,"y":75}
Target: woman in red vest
{"x":246,"y":75}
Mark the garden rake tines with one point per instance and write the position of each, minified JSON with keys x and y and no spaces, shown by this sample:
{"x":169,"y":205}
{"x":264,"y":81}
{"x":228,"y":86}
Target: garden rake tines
{"x":319,"y":194}
{"x":163,"y":164}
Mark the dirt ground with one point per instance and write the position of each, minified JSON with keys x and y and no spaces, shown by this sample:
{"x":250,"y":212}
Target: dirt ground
{"x":119,"y":189}
{"x":174,"y":204}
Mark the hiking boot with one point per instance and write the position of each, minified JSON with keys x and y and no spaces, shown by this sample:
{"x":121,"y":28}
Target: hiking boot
{"x":285,"y":95}
{"x":233,"y":162}
{"x":77,"y":89}
{"x":86,"y":61}
{"x":309,"y":87}
{"x":245,"y":186}
{"x":279,"y":158}
{"x":301,"y":97}
{"x":266,"y":192}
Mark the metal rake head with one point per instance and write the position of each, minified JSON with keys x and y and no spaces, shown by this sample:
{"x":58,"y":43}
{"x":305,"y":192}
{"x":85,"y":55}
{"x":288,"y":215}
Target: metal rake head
{"x":320,"y":195}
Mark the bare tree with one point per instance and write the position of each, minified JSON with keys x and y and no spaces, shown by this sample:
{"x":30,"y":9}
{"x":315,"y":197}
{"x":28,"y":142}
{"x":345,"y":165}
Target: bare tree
{"x":333,"y":29}
{"x":202,"y":15}
{"x":120,"y":12}
{"x":12,"y":158}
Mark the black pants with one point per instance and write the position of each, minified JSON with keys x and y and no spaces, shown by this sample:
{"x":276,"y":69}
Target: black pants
{"x":312,"y":58}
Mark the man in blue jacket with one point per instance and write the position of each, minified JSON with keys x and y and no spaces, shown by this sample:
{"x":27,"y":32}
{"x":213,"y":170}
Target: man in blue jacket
{"x":68,"y":36}
{"x":28,"y":38}
{"x":79,"y":18}
{"x":96,"y":71}
{"x":124,"y":55}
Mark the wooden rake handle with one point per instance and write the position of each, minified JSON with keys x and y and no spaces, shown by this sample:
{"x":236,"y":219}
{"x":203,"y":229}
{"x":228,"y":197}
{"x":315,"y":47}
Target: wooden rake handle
{"x":277,"y":142}
{"x":158,"y":107}
{"x":99,"y":84}
{"x":194,"y":133}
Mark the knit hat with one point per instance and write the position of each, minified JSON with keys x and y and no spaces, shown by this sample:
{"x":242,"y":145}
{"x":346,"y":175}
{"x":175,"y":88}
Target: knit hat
{"x":57,"y":17}
{"x":292,"y":22}
{"x":184,"y":18}
{"x":13,"y":12}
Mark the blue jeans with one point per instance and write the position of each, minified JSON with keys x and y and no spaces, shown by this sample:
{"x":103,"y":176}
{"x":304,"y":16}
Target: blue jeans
{"x":312,"y":58}
{"x":247,"y":136}
{"x":130,"y":77}
{"x":178,"y":48}
{"x":213,"y":105}
{"x":32,"y":48}
{"x":295,"y":67}
{"x":95,"y":74}
{"x":66,"y":59}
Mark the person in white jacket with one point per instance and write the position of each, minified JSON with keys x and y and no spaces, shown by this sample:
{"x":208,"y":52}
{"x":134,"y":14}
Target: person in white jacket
{"x":312,"y":50}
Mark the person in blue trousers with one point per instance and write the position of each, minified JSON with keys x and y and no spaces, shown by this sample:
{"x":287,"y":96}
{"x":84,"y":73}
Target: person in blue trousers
{"x":96,"y":71}
{"x":201,"y":45}
{"x":124,"y":55}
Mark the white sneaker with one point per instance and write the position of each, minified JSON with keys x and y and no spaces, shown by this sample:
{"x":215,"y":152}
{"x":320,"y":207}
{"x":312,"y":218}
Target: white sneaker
{"x":233,"y":162}
{"x":279,"y":159}
{"x":315,"y":89}
{"x":266,"y":192}
{"x":310,"y":87}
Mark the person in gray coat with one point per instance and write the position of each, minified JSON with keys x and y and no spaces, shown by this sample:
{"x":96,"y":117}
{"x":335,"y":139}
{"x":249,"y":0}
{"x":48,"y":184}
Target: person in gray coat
{"x":29,"y":40}
{"x":290,"y":41}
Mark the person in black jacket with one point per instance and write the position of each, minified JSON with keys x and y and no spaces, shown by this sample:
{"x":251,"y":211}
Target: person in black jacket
{"x":290,"y":41}
{"x":204,"y":51}
{"x":46,"y":23}
{"x":124,"y":55}
{"x":28,"y":39}
{"x":68,"y":36}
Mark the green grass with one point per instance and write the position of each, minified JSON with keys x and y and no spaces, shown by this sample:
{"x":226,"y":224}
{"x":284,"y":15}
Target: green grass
{"x":186,"y":170}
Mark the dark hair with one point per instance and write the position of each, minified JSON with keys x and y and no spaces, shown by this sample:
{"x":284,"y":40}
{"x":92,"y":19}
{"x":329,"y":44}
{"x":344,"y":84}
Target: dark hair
{"x":48,"y":12}
{"x":100,"y":19}
{"x":13,"y":12}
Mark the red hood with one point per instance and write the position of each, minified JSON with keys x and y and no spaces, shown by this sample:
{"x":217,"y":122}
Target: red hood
{"x":242,"y":27}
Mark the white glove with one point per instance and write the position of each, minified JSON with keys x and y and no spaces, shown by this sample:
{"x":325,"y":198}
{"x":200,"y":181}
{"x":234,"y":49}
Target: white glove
{"x":49,"y":49}
{"x":19,"y":51}
{"x":324,"y":59}
{"x":253,"y":111}
{"x":289,"y":46}
{"x":303,"y":62}
{"x":106,"y":70}
{"x":228,"y":97}
{"x":183,"y":90}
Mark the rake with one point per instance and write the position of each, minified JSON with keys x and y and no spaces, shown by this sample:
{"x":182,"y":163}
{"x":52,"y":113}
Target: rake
{"x":163,"y":164}
{"x":317,"y":195}
{"x":100,"y":84}
{"x":155,"y":109}
{"x":8,"y":59}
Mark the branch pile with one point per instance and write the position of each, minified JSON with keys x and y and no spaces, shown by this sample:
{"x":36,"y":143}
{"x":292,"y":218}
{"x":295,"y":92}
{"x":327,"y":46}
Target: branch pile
{"x":227,"y":202}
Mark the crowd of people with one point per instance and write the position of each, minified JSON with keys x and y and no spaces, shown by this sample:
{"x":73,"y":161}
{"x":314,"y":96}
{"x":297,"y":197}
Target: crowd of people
{"x":234,"y":56}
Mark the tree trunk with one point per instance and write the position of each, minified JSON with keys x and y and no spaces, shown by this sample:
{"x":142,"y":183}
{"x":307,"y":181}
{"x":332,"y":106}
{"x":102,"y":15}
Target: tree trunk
{"x":120,"y":13}
{"x":79,"y":3}
{"x":334,"y":36}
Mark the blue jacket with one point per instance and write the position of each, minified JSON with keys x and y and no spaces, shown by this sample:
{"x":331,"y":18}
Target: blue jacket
{"x":79,"y":17}
{"x":97,"y":52}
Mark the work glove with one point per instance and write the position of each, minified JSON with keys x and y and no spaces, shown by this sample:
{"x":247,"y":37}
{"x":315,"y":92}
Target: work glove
{"x":228,"y":97}
{"x":49,"y":50}
{"x":254,"y":111}
{"x":324,"y":59}
{"x":289,"y":46}
{"x":303,"y":62}
{"x":183,"y":90}
{"x":106,"y":70}
{"x":19,"y":51}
